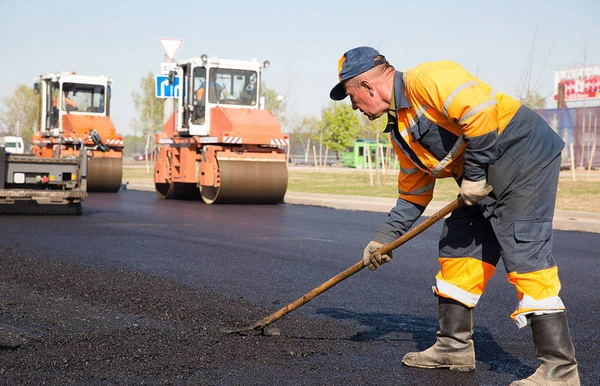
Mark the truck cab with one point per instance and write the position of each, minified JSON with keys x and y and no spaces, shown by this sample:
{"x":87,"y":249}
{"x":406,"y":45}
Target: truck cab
{"x":12,"y":144}
{"x":71,"y":94}
{"x":211,"y":82}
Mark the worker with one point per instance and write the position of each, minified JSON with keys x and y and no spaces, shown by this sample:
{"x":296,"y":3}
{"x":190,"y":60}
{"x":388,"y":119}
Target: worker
{"x":444,"y":122}
{"x":67,"y":103}
{"x":200,"y":91}
{"x":216,"y":90}
{"x":248,"y":94}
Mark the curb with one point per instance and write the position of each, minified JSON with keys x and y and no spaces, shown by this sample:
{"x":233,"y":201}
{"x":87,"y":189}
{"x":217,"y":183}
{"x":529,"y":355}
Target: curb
{"x":563,"y":220}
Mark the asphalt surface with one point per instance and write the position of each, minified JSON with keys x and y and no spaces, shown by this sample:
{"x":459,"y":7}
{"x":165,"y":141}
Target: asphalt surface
{"x":137,"y":291}
{"x":563,"y":220}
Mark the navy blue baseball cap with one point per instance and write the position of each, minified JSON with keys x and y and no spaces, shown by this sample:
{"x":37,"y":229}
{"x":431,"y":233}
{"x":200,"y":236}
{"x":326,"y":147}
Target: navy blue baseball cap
{"x":353,"y":63}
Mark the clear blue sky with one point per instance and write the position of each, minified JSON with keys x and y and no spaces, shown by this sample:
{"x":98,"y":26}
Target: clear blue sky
{"x":303,"y":40}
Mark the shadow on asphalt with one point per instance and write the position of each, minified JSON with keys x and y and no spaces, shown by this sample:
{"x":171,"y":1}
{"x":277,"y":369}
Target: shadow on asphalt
{"x":423,"y":330}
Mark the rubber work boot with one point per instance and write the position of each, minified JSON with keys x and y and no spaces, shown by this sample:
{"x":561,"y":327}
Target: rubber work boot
{"x":553,"y":346}
{"x":454,"y":347}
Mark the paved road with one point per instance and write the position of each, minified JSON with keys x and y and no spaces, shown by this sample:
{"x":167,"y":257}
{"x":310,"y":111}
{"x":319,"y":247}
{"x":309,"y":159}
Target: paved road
{"x":563,"y":219}
{"x":136,"y":289}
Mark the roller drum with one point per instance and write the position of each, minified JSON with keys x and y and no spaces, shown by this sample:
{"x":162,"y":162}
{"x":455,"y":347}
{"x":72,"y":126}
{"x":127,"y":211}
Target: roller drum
{"x":248,"y":182}
{"x":104,"y":174}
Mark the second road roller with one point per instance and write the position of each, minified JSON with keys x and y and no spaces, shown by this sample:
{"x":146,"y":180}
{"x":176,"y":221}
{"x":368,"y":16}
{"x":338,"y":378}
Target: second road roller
{"x":220,"y":144}
{"x":75,"y":111}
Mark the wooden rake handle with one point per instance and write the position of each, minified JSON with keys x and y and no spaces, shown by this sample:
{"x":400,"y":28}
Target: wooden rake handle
{"x":358,"y":266}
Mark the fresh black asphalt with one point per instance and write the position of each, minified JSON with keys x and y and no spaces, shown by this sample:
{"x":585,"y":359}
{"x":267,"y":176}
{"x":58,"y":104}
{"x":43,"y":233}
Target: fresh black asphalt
{"x":137,"y":290}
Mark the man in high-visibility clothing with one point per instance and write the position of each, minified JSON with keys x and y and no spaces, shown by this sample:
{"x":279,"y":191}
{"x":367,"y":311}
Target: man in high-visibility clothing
{"x":67,"y":103}
{"x":444,"y":122}
{"x":216,"y":91}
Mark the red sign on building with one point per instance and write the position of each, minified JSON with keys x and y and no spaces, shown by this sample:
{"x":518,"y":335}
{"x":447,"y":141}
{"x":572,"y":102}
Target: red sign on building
{"x":580,"y":83}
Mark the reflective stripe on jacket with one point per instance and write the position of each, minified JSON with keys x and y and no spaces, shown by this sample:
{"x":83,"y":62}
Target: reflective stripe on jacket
{"x":444,"y":122}
{"x":447,"y":123}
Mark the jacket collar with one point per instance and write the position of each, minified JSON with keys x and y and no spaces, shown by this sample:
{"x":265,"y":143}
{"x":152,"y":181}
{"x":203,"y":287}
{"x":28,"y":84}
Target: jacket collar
{"x":398,"y":101}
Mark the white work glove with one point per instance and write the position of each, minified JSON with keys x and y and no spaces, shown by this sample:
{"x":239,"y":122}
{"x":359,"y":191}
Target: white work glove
{"x":474,"y":191}
{"x":373,"y":259}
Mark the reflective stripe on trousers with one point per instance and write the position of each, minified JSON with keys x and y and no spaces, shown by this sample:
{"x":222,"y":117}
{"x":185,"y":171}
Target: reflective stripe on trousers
{"x":518,"y":229}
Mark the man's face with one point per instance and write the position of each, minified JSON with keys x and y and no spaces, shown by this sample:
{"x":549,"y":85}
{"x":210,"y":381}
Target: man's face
{"x":367,"y":100}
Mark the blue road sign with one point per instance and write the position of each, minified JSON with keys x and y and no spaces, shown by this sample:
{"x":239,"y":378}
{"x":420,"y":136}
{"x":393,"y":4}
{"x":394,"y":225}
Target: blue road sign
{"x":166,"y":90}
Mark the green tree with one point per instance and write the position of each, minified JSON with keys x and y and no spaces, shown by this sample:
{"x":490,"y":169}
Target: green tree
{"x":20,"y":113}
{"x":340,"y":126}
{"x":150,"y":109}
{"x":274,"y":102}
{"x":373,"y":129}
{"x":134,"y":145}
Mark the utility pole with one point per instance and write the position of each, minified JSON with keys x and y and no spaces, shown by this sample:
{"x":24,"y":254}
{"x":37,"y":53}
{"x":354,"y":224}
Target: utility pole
{"x":560,"y":100}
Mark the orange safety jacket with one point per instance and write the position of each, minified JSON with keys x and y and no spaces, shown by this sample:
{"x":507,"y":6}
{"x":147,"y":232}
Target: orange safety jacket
{"x":444,"y":122}
{"x":68,"y":102}
{"x":462,"y":115}
{"x":199,"y":93}
{"x":214,"y":88}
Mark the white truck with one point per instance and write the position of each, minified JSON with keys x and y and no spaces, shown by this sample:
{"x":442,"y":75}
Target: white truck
{"x":12,"y":144}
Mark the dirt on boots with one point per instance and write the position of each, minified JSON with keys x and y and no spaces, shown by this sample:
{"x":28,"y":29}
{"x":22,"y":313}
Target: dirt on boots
{"x":454,"y":347}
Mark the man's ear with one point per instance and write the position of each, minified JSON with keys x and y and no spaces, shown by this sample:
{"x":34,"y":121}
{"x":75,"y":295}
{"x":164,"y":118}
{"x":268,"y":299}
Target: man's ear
{"x":368,"y":86}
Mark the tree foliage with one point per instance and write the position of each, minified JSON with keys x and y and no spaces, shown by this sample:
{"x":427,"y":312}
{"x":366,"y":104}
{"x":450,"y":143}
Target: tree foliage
{"x":373,"y":129}
{"x":534,"y":101}
{"x":134,"y":145}
{"x":274,"y":102}
{"x":149,"y":109}
{"x":340,"y":126}
{"x":20,"y":111}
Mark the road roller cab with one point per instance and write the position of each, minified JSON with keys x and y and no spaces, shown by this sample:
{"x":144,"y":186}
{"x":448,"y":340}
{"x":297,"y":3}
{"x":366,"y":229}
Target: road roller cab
{"x":220,"y":144}
{"x":75,"y":109}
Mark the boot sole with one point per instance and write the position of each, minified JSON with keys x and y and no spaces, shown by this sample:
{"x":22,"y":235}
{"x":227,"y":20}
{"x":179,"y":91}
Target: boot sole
{"x":459,"y":368}
{"x":462,"y":368}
